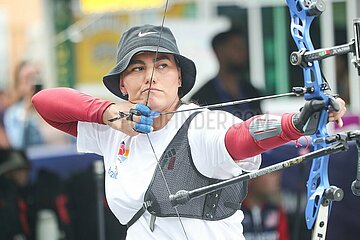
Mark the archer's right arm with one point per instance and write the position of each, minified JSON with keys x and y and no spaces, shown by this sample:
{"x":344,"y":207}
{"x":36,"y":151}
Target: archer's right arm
{"x":63,"y":108}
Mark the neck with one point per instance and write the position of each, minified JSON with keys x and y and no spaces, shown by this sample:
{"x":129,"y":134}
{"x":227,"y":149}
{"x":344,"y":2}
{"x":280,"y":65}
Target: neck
{"x":162,"y":120}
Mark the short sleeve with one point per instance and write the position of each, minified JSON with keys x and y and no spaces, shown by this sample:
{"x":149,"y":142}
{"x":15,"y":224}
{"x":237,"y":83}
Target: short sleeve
{"x":90,"y":137}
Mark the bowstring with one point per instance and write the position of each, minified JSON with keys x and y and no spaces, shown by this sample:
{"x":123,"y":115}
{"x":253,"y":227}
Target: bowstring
{"x":157,"y":52}
{"x":146,"y":104}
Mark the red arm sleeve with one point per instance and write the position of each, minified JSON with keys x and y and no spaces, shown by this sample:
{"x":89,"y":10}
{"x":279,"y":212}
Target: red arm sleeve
{"x":241,"y":144}
{"x":62,"y":108}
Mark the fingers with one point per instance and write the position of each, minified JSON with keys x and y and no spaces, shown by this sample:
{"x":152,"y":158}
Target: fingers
{"x":336,"y":116}
{"x":146,"y":111}
{"x":143,"y":114}
{"x":144,"y":125}
{"x":142,"y":128}
{"x":130,"y":118}
{"x":340,"y":122}
{"x":341,"y":103}
{"x":143,"y":120}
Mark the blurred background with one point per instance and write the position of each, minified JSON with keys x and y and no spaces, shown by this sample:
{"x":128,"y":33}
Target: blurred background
{"x":72,"y":43}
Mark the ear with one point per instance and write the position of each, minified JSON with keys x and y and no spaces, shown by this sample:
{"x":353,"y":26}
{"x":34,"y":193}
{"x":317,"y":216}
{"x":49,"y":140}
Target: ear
{"x":179,"y":79}
{"x":122,"y":87}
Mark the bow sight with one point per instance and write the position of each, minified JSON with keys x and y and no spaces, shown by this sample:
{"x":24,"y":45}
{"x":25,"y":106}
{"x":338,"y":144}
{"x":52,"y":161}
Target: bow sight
{"x":305,"y":58}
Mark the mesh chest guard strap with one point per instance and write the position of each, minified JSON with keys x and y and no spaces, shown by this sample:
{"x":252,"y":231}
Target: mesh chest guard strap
{"x":181,"y":174}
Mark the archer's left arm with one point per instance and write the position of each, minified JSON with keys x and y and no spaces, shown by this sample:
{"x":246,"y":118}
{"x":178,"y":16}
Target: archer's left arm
{"x":264,"y":132}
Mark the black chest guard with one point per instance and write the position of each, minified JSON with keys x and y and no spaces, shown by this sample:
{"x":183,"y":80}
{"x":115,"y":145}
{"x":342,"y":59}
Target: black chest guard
{"x":181,"y":174}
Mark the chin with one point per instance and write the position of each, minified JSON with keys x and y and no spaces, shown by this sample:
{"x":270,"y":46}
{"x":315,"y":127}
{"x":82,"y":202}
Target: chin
{"x":155,"y":106}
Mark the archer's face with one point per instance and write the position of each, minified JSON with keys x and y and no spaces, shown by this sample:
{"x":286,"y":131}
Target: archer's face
{"x":164,"y":74}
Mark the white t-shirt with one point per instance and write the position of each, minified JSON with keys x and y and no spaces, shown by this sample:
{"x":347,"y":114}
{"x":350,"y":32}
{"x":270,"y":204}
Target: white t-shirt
{"x":130,"y":164}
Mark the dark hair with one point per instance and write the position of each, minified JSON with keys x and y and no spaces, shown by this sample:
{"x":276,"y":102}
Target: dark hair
{"x":221,"y":38}
{"x":180,"y":91}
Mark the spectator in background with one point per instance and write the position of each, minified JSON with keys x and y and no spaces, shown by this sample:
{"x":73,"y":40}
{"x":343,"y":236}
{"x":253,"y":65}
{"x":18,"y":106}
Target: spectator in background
{"x":264,"y":217}
{"x":23,"y":125}
{"x":22,"y":204}
{"x":13,"y":208}
{"x":232,"y":81}
{"x":83,"y":199}
{"x":4,"y":103}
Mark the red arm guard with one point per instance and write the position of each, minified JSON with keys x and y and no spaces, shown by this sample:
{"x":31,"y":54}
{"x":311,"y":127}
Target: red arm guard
{"x":62,"y":108}
{"x":240,"y":144}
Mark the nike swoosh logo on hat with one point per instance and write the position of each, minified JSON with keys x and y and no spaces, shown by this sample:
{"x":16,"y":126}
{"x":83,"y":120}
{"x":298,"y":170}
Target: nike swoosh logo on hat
{"x":144,"y":34}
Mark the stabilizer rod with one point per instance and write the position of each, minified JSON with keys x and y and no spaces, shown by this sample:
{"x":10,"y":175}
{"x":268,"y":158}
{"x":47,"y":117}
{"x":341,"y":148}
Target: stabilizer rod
{"x":183,"y":196}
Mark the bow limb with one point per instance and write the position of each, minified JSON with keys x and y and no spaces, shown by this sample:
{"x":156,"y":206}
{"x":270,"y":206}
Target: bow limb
{"x":147,"y":135}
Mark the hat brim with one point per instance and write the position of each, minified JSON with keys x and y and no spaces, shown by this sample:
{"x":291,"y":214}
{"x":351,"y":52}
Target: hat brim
{"x":187,"y":66}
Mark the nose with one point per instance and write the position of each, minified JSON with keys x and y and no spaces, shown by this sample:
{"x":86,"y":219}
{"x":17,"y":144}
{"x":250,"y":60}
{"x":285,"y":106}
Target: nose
{"x":150,"y":76}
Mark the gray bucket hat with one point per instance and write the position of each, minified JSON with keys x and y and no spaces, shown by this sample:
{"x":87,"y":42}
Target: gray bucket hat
{"x":147,"y":38}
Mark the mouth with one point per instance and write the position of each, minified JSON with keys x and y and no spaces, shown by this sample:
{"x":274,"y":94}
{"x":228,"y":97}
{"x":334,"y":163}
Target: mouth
{"x":150,"y":89}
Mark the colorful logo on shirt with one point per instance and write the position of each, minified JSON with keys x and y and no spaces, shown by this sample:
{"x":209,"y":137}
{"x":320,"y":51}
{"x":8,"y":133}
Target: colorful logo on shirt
{"x":123,"y":153}
{"x":113,"y":172}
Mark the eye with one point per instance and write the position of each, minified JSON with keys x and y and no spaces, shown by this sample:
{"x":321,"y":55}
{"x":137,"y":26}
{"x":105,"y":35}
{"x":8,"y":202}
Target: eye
{"x":162,"y":65}
{"x":137,"y":69}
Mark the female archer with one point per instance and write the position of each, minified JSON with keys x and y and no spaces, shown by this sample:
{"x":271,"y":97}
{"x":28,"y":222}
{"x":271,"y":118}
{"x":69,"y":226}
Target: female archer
{"x":149,"y":154}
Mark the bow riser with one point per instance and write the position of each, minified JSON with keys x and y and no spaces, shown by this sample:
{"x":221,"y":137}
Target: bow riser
{"x":300,"y":31}
{"x":301,"y":20}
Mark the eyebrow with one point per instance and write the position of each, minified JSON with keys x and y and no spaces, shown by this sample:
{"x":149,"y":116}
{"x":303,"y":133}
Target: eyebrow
{"x":159,"y":58}
{"x":162,"y":57}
